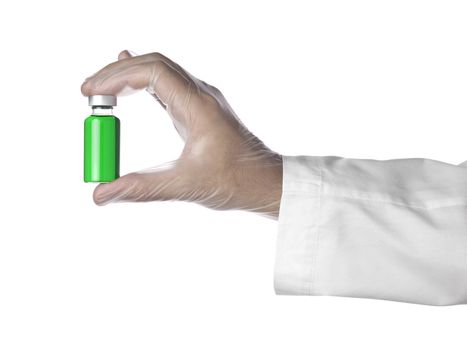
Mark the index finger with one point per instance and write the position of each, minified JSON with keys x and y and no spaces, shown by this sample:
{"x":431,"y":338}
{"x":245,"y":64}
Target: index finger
{"x":153,"y":71}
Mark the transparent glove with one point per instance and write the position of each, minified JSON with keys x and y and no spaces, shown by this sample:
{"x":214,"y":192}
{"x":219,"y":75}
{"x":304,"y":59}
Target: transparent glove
{"x":222,"y":166}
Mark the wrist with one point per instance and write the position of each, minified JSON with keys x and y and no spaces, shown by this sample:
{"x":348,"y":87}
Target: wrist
{"x":263,"y":186}
{"x":273,"y":198}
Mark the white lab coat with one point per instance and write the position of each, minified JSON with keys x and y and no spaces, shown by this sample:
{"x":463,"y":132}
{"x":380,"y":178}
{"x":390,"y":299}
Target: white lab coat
{"x":394,"y":230}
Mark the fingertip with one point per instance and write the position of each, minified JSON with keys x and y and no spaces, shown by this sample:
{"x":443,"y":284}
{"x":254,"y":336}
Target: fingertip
{"x":101,"y":194}
{"x":124,"y":54}
{"x":119,"y":189}
{"x":85,"y":88}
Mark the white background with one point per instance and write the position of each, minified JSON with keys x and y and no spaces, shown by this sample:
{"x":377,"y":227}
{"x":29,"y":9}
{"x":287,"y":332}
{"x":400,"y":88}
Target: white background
{"x":364,"y":79}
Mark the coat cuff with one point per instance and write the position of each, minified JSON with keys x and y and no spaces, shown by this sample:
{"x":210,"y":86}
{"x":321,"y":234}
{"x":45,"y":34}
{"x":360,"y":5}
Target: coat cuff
{"x":297,"y":241}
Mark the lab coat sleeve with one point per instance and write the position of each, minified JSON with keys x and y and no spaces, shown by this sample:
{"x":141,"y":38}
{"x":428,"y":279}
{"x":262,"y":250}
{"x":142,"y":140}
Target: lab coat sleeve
{"x":393,"y":230}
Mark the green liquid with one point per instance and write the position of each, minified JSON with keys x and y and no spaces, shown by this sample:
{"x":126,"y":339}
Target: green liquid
{"x":101,"y":148}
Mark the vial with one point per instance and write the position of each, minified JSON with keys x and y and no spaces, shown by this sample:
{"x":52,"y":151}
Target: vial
{"x":101,"y":141}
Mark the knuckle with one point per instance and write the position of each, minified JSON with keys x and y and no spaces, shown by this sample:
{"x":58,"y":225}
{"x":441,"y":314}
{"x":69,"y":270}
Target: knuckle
{"x":213,"y":91}
{"x":132,"y":188}
{"x":209,"y":100}
{"x":130,"y":179}
{"x":156,"y":56}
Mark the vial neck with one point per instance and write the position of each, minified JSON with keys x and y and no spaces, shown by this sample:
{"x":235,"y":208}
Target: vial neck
{"x":102,"y":110}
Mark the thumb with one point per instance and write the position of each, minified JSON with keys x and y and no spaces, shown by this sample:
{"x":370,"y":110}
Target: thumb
{"x":161,"y":183}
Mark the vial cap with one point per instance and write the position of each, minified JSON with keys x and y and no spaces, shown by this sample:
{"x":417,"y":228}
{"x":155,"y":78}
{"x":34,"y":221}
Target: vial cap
{"x":102,"y":100}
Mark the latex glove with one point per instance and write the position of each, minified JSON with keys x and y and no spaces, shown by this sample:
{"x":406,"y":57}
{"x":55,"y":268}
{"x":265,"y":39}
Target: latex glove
{"x":222,"y":166}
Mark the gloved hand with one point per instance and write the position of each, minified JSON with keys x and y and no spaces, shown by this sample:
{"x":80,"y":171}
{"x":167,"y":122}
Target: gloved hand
{"x":222,"y":166}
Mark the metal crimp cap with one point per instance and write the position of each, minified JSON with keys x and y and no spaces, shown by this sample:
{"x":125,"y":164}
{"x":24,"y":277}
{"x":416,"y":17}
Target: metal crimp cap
{"x":102,"y":100}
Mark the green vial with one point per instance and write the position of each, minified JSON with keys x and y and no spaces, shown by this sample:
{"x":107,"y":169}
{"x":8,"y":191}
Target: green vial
{"x":101,"y":141}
